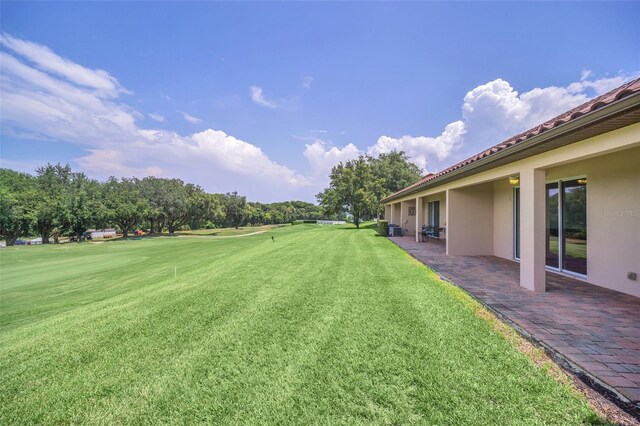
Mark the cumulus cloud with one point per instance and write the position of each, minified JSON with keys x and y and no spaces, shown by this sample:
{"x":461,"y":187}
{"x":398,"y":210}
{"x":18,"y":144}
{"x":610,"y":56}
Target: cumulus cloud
{"x":190,"y":118}
{"x":241,"y":157}
{"x":322,"y":157}
{"x":49,"y":98}
{"x":493,"y":112}
{"x":258,"y":98}
{"x":421,"y":148}
{"x":157,"y":117}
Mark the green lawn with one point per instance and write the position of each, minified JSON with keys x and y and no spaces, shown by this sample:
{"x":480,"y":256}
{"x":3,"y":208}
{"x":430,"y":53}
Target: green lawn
{"x":228,"y":232}
{"x":326,"y":325}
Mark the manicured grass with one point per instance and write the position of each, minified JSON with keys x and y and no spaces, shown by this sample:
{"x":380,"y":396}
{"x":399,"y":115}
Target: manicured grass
{"x":325,"y":325}
{"x":226,"y":232}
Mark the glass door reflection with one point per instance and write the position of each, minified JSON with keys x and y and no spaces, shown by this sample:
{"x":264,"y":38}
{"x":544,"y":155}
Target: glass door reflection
{"x":552,"y":228}
{"x":574,"y":226}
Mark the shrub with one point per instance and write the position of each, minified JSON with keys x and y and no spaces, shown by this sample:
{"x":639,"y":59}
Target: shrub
{"x":383,"y":227}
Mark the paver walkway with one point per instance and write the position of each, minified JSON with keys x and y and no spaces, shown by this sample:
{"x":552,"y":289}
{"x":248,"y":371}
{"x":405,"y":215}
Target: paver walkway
{"x":594,"y":328}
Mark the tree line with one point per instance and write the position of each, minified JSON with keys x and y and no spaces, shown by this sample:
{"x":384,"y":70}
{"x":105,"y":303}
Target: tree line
{"x":357,"y":186}
{"x":57,"y":201}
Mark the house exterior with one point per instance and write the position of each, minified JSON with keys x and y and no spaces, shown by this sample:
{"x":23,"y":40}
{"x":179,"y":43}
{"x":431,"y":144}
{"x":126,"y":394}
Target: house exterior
{"x":563,"y":196}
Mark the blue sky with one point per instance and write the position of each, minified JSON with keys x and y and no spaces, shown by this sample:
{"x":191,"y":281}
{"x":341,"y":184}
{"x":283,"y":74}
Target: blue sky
{"x":264,"y":98}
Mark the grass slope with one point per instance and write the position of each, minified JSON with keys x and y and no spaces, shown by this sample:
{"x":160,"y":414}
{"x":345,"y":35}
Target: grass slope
{"x":323,"y":326}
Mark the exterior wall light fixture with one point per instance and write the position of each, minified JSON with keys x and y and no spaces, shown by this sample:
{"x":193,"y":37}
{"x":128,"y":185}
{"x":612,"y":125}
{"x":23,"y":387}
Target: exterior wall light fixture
{"x":514,"y":180}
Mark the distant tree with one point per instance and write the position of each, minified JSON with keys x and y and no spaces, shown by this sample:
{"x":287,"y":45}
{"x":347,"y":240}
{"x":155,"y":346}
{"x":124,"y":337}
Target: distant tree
{"x":353,"y":189}
{"x":83,"y":205}
{"x":151,"y":189}
{"x":50,"y":210}
{"x":395,"y":171}
{"x":125,"y":205}
{"x":216,"y":211}
{"x":235,"y":209}
{"x":181,"y":203}
{"x":17,"y":199}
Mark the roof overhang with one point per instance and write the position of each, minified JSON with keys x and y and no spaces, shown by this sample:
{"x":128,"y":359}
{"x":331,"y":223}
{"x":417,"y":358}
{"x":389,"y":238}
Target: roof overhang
{"x":616,"y":115}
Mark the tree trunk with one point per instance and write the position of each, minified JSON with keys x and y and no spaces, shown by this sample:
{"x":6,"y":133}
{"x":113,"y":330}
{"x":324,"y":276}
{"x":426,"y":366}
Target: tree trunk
{"x":10,"y":238}
{"x":45,"y":233}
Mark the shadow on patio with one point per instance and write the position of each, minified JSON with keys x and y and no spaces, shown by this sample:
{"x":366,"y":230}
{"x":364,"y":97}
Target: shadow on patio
{"x":594,"y":330}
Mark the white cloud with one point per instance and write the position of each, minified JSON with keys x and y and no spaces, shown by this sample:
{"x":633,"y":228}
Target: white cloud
{"x":58,"y":101}
{"x":48,"y":61}
{"x":190,"y":118}
{"x":241,"y":157}
{"x":258,"y":98}
{"x":109,"y":162}
{"x":420,"y":149}
{"x":306,"y":82}
{"x":322,"y":157}
{"x":157,"y":117}
{"x":493,"y":112}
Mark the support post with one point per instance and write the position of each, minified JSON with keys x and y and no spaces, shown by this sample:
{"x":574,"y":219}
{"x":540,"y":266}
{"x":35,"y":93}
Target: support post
{"x":419,"y":218}
{"x":532,"y":230}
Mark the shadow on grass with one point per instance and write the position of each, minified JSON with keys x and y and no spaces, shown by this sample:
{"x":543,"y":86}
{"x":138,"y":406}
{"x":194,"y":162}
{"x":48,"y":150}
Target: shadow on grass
{"x":367,"y":225}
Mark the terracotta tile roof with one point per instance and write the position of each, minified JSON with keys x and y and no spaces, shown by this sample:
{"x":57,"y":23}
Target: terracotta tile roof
{"x":590,"y":106}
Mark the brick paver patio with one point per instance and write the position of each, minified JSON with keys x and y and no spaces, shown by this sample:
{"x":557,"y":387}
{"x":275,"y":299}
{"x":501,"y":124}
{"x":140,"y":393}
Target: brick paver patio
{"x":596,"y":331}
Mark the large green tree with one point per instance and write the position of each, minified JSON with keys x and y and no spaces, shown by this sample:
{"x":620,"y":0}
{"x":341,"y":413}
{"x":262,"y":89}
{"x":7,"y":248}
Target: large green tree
{"x":125,"y":205}
{"x":17,"y":200}
{"x":51,"y":209}
{"x":235,"y":209}
{"x":395,"y":170}
{"x":354,"y":189}
{"x":82,"y":205}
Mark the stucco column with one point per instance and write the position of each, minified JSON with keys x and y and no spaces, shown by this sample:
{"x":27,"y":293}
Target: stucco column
{"x":387,"y":212}
{"x":447,"y":221}
{"x":403,"y":217}
{"x":532,"y":229}
{"x":419,"y":217}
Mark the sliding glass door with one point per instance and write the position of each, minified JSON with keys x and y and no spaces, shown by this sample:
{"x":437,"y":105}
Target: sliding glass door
{"x":516,"y":223}
{"x":566,"y":230}
{"x":553,"y":227}
{"x":434,"y":217}
{"x":574,"y":226}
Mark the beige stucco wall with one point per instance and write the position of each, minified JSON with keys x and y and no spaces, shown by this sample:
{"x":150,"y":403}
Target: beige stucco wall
{"x":613,"y":216}
{"x":470,"y":220}
{"x":503,"y":219}
{"x":395,"y":214}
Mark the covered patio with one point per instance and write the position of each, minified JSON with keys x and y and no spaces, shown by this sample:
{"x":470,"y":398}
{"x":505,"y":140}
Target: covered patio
{"x":592,"y":329}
